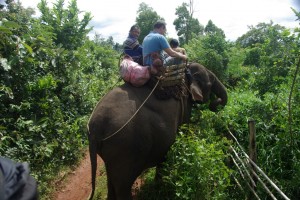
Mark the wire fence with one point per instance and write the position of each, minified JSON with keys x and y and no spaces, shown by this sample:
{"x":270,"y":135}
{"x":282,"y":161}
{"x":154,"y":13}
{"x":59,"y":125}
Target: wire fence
{"x":249,"y":171}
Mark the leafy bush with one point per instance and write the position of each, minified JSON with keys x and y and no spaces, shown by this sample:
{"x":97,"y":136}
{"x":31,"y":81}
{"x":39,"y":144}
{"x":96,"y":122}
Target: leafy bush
{"x":210,"y":51}
{"x":277,"y":144}
{"x":194,"y":169}
{"x":48,"y":89}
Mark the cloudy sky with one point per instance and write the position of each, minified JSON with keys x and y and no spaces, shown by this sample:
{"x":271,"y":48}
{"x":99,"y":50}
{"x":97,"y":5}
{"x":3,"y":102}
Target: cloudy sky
{"x":114,"y":17}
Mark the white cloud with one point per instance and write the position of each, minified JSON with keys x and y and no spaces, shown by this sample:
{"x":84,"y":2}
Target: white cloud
{"x":114,"y":17}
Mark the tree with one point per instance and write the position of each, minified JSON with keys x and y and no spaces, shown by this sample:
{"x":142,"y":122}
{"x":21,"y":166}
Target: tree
{"x":69,"y":30}
{"x":269,"y":46}
{"x":14,"y":51}
{"x":146,"y":18}
{"x":211,"y":28}
{"x":211,"y":50}
{"x":257,"y":34}
{"x":13,"y":14}
{"x":253,"y":57}
{"x":185,"y":24}
{"x":48,"y":88}
{"x":253,"y":41}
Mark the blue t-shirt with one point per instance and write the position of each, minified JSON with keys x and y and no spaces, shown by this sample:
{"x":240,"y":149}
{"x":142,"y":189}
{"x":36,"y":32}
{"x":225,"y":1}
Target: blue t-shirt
{"x":153,"y":42}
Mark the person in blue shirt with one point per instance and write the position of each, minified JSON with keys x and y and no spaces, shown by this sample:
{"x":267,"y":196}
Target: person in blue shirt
{"x":156,"y":41}
{"x":132,"y":46}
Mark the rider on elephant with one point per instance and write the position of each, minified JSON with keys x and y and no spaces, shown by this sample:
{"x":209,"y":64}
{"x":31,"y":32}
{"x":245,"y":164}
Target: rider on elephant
{"x":175,"y":46}
{"x":155,"y":42}
{"x":132,"y":46}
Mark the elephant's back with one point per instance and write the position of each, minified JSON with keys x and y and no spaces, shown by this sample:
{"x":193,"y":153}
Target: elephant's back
{"x":113,"y":110}
{"x":121,"y":104}
{"x":134,"y":123}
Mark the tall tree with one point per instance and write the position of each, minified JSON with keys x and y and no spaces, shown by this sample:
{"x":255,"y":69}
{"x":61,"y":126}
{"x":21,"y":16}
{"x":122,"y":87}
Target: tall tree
{"x":211,"y":28}
{"x":146,"y":19}
{"x":70,"y":31}
{"x":258,"y":34}
{"x":185,"y":24}
{"x":210,"y":50}
{"x":15,"y":22}
{"x":14,"y":13}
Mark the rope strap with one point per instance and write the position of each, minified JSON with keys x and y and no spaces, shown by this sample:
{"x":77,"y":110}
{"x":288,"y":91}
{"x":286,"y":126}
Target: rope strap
{"x":134,"y":113}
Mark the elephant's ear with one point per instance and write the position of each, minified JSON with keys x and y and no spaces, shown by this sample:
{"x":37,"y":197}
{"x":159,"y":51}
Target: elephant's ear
{"x":196,"y":92}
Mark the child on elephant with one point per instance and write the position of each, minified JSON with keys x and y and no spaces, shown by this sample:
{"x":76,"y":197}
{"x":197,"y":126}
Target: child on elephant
{"x":175,"y":46}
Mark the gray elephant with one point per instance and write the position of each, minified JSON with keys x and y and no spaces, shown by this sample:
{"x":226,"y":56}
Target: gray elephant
{"x":131,"y":137}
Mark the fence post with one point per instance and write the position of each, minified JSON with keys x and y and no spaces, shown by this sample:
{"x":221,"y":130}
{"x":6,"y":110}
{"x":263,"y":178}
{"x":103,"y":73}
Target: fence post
{"x":252,"y":153}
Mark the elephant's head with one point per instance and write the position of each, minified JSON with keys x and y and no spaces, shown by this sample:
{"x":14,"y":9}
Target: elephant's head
{"x":203,"y":83}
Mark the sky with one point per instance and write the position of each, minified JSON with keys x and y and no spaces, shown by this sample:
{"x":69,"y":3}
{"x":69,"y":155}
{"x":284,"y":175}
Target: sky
{"x":115,"y":17}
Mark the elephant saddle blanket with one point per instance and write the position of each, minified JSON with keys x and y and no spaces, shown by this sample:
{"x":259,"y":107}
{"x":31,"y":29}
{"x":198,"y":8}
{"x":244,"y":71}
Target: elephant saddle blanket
{"x":134,"y":73}
{"x":172,"y":83}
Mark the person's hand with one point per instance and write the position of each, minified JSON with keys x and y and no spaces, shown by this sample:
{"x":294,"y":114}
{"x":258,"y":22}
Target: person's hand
{"x":184,"y":57}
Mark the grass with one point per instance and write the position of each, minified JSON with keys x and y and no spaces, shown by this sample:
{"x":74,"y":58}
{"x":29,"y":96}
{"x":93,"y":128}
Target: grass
{"x":101,"y":187}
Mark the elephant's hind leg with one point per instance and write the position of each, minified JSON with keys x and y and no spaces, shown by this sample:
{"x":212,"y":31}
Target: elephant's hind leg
{"x":120,"y":182}
{"x":110,"y":190}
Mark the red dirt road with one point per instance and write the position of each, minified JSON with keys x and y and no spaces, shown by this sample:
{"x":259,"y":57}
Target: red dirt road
{"x":77,"y":185}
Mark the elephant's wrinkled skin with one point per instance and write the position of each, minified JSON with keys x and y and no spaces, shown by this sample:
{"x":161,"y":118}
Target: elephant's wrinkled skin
{"x":145,"y":140}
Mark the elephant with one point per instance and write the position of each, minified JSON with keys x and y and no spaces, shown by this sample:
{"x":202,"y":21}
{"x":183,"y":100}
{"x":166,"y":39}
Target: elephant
{"x":133,"y":131}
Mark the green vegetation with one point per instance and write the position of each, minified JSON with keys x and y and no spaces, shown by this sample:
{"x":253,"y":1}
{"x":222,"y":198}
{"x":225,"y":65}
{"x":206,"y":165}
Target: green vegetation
{"x":52,"y":74}
{"x":195,"y":169}
{"x":48,"y":88}
{"x":185,"y":25}
{"x":146,"y":18}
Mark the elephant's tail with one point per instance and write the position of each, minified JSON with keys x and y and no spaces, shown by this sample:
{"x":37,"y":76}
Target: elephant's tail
{"x":93,"y":158}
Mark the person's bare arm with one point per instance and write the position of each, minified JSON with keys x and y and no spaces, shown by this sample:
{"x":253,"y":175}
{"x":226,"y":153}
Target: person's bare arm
{"x":173,"y":53}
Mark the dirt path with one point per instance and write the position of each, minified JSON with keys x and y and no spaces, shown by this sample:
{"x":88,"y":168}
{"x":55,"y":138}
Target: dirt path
{"x":77,"y":185}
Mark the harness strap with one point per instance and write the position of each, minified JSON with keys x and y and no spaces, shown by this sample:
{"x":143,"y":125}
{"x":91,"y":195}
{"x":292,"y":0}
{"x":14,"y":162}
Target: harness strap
{"x":182,"y":109}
